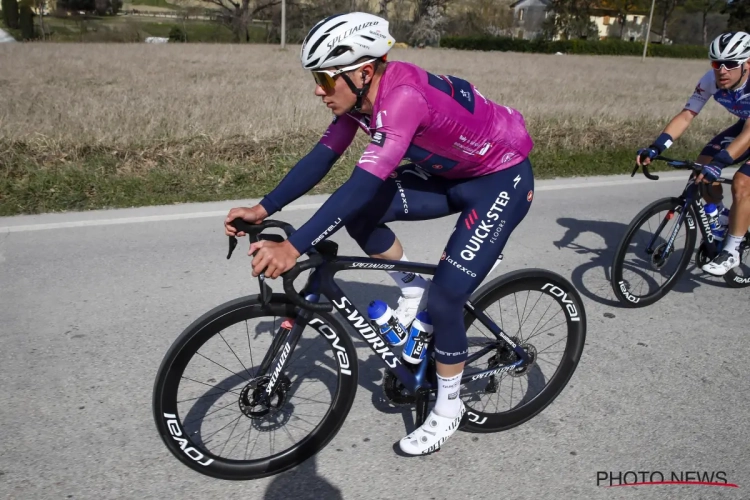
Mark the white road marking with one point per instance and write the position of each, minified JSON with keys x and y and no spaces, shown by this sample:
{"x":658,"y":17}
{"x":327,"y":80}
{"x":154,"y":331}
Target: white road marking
{"x":309,"y":206}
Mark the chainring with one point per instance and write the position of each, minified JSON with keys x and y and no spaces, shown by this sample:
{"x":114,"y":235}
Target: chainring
{"x":395,"y":392}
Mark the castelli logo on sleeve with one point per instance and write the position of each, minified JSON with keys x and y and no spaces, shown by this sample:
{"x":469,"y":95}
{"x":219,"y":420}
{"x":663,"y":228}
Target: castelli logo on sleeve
{"x":530,"y":196}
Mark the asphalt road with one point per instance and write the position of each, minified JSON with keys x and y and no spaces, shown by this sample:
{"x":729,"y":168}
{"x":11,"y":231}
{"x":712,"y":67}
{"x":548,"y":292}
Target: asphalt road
{"x":90,"y":302}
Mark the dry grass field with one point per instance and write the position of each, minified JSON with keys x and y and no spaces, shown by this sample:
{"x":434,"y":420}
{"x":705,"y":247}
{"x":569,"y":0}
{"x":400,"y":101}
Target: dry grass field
{"x":132,"y":109}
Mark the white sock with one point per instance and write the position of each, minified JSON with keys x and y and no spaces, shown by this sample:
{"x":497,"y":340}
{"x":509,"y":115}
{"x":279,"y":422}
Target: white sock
{"x":411,"y":284}
{"x":732,"y":244}
{"x":448,"y":403}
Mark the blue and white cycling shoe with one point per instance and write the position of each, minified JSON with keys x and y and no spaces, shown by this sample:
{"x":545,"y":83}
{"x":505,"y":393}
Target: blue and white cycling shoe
{"x":433,"y":433}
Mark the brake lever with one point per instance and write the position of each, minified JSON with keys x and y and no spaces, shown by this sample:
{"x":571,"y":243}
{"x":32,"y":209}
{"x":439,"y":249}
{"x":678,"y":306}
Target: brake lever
{"x":232,"y":245}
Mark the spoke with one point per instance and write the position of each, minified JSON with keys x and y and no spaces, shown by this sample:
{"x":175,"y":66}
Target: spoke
{"x":222,"y":366}
{"x":208,"y":385}
{"x":542,"y":316}
{"x":532,"y":308}
{"x":295,"y":415}
{"x":520,"y":325}
{"x":550,"y":352}
{"x":523,"y":314}
{"x":255,"y":443}
{"x":545,"y":324}
{"x":542,"y":359}
{"x":207,"y":414}
{"x":545,"y":331}
{"x":235,"y":354}
{"x":237,"y":422}
{"x":206,"y":441}
{"x":250,"y":348}
{"x":552,"y":345}
{"x":240,"y":438}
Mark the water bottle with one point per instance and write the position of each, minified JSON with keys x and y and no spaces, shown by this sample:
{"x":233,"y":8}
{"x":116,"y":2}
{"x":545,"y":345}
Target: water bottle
{"x":724,"y":219}
{"x":390,"y":328}
{"x":713,"y":218}
{"x":419,"y":337}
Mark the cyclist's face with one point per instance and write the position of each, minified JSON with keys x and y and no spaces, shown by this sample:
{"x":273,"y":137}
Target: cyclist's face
{"x":340,"y":99}
{"x":726,"y":78}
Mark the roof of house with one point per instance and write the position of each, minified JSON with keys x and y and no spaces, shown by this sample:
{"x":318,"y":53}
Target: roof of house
{"x":546,"y":3}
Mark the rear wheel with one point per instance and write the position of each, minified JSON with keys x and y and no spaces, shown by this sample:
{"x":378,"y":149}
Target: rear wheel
{"x":739,"y":277}
{"x":542,"y":312}
{"x":210,"y":401}
{"x":645,"y":266}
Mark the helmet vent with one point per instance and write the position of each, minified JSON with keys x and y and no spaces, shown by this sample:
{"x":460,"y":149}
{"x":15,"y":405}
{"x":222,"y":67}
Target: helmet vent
{"x":335,"y":26}
{"x":317,"y":43}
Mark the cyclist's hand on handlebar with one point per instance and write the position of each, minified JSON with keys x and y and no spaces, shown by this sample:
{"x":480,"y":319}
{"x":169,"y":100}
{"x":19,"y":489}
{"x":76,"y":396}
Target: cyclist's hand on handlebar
{"x":274,"y":258}
{"x":709,"y":174}
{"x":251,"y":215}
{"x":645,"y":155}
{"x":712,"y":171}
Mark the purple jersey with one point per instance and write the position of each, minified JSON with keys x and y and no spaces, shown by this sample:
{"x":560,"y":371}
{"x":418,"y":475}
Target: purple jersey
{"x":441,"y":123}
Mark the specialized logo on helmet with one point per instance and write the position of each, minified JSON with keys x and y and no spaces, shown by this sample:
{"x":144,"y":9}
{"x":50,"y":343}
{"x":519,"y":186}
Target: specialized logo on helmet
{"x":348,"y":33}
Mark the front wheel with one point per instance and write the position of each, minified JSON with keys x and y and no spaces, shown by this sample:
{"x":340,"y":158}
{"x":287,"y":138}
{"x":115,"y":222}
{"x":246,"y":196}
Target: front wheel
{"x":653,"y":253}
{"x":210,"y":402}
{"x":543,"y":313}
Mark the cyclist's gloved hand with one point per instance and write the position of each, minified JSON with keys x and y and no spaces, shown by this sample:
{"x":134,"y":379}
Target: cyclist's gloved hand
{"x":649,"y":152}
{"x":658,"y":147}
{"x":712,"y":171}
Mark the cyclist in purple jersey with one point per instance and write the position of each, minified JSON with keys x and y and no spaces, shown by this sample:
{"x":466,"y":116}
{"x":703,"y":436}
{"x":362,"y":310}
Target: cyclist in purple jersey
{"x":727,"y":82}
{"x":467,"y":155}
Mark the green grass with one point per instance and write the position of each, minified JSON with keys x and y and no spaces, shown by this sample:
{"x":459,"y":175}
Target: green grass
{"x":94,"y":178}
{"x":132,"y":29}
{"x":155,"y":3}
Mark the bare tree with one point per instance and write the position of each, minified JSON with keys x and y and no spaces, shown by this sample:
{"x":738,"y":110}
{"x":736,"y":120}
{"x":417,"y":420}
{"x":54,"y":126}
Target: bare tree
{"x":666,"y":8}
{"x":383,"y":8}
{"x":41,"y":7}
{"x":429,"y":8}
{"x":705,"y":7}
{"x":236,"y":15}
{"x":188,"y":10}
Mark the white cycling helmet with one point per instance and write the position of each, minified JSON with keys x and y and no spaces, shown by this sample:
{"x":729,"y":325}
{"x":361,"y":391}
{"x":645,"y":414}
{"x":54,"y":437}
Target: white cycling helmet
{"x":733,"y":46}
{"x":344,"y":38}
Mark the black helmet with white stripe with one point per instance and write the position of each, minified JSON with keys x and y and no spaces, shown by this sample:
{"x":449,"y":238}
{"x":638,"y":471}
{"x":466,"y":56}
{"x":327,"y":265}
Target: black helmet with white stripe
{"x":734,"y":46}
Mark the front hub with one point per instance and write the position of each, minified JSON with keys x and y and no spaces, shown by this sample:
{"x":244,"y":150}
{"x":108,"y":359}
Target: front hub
{"x":256,"y":403}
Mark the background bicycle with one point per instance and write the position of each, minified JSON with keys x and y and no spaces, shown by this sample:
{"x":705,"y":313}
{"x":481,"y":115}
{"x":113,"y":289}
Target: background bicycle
{"x":661,"y":239}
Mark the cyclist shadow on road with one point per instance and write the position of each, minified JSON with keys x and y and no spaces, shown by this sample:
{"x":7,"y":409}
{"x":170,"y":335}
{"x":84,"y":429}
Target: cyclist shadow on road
{"x":302,"y":483}
{"x":597,"y":287}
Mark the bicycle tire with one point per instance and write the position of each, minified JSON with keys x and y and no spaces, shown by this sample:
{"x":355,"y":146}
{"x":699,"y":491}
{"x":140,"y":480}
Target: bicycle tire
{"x":206,"y":327}
{"x":562,"y":291}
{"x":623,"y":294}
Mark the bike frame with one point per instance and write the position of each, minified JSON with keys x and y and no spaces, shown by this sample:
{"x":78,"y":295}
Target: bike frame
{"x":413,"y":377}
{"x":691,"y":203}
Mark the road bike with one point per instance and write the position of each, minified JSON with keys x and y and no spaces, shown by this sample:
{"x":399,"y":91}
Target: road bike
{"x":232,"y":410}
{"x":678,"y":219}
